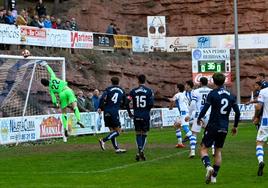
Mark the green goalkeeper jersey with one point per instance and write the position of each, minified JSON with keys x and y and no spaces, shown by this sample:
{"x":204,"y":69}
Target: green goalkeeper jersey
{"x":56,"y":85}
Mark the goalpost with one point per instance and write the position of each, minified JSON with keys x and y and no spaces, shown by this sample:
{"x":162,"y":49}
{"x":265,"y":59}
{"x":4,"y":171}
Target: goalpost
{"x":21,"y":93}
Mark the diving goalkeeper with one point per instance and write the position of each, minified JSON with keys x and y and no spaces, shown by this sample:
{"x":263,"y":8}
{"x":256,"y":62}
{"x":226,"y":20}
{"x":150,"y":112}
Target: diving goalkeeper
{"x":66,"y":96}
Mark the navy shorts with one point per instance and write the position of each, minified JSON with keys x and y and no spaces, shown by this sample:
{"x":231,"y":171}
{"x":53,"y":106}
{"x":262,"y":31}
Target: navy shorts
{"x":111,"y":120}
{"x":214,"y":136}
{"x":141,"y":124}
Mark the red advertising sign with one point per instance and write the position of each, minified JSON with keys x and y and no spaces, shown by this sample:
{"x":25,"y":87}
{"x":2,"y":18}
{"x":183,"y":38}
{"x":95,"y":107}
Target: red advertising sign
{"x":208,"y":75}
{"x":33,"y":32}
{"x":81,"y":40}
{"x":50,"y":127}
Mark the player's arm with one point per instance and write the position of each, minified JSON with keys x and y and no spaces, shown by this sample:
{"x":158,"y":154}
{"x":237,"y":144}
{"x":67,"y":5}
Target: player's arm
{"x":102,"y":101}
{"x":49,"y":69}
{"x":151,"y":101}
{"x":128,"y":101}
{"x":172,"y":102}
{"x":237,"y":118}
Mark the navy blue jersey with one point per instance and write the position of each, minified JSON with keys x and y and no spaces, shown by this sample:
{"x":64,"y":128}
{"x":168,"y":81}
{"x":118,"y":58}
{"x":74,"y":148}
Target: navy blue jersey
{"x":143,"y":101}
{"x":112,"y":98}
{"x":221,"y":102}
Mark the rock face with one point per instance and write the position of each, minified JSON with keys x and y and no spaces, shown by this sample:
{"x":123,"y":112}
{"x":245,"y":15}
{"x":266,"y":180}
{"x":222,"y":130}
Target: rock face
{"x":191,"y":17}
{"x":183,"y":18}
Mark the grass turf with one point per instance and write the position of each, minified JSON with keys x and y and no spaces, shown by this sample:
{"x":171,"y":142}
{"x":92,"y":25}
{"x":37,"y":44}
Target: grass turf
{"x":81,"y":163}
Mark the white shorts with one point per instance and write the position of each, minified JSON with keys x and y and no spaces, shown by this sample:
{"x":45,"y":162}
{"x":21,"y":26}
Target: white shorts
{"x":197,"y":128}
{"x":262,"y":134}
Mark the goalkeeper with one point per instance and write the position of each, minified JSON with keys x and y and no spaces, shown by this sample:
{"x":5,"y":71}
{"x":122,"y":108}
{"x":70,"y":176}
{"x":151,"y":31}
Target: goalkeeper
{"x":66,"y":95}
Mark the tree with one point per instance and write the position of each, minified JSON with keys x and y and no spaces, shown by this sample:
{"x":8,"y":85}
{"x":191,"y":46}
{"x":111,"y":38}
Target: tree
{"x":55,"y":8}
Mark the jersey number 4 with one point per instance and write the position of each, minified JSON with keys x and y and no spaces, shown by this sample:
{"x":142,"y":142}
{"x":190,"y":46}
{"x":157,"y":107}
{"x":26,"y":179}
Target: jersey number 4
{"x":115,"y":97}
{"x":141,"y":101}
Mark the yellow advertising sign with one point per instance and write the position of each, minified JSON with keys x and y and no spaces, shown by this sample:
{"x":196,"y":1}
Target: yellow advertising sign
{"x":122,"y":41}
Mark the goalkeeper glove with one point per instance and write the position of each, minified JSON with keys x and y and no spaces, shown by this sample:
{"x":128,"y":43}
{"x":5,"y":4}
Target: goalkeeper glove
{"x":43,"y":63}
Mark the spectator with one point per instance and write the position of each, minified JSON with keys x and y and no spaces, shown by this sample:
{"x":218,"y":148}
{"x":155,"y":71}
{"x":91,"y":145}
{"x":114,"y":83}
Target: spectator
{"x":110,"y":29}
{"x":35,"y":22}
{"x":96,"y":99}
{"x":9,"y":19}
{"x":41,"y":21}
{"x":47,"y":22}
{"x":81,"y":102}
{"x":74,"y":25}
{"x":41,"y":9}
{"x":115,"y":29}
{"x":53,"y":22}
{"x":14,"y":14}
{"x":90,"y":106}
{"x":67,"y":25}
{"x":59,"y":24}
{"x":21,"y":19}
{"x":2,"y":17}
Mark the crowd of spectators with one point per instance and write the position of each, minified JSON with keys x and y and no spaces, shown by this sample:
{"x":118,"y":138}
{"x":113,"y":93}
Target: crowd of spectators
{"x":37,"y":17}
{"x":88,"y":102}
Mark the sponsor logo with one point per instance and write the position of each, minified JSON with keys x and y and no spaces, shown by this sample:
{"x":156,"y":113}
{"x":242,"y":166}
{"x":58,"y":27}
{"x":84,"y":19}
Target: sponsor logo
{"x":50,"y":127}
{"x":197,"y":54}
{"x":203,"y":42}
{"x":81,"y":40}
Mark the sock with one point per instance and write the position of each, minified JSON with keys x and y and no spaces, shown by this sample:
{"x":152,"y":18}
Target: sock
{"x":259,"y":153}
{"x":216,"y":170}
{"x":187,"y":130}
{"x":193,"y":142}
{"x":144,"y":139}
{"x":77,"y":114}
{"x":206,"y":161}
{"x":178,"y":134}
{"x":110,"y":136}
{"x":114,"y":142}
{"x":139,"y":141}
{"x":64,"y":120}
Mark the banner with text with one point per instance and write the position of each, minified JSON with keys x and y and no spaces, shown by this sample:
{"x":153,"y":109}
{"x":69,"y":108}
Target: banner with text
{"x":122,"y":41}
{"x":140,"y":44}
{"x":103,"y":42}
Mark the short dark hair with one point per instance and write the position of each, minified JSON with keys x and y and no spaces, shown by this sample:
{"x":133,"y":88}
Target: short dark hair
{"x":44,"y":82}
{"x":190,"y":83}
{"x":259,"y":83}
{"x":142,"y":79}
{"x":261,"y":74}
{"x":204,"y":81}
{"x":180,"y":87}
{"x":115,"y":80}
{"x":218,"y":78}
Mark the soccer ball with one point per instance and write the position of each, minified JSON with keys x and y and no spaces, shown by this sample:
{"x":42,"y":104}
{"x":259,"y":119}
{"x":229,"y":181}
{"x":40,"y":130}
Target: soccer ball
{"x":25,"y":53}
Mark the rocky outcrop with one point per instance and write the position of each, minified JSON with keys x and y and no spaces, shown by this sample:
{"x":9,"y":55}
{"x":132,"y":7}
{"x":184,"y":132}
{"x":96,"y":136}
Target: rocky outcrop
{"x":192,"y":17}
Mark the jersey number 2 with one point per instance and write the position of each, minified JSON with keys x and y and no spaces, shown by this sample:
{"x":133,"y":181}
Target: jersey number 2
{"x":225,"y":103}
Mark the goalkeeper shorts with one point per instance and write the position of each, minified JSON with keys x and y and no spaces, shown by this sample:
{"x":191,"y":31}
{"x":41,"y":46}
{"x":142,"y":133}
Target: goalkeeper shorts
{"x":67,"y":97}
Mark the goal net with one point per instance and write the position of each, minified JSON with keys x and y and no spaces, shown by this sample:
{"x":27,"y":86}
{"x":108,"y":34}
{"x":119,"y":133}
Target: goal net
{"x":21,"y":92}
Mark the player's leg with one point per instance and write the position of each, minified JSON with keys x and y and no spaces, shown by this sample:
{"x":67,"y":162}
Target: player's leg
{"x":65,"y":122}
{"x":206,"y":143}
{"x":261,"y":138}
{"x":218,"y":143}
{"x":177,"y":126}
{"x":64,"y":104}
{"x":73,"y":101}
{"x":195,"y":130}
{"x":145,"y":127}
{"x":217,"y":164}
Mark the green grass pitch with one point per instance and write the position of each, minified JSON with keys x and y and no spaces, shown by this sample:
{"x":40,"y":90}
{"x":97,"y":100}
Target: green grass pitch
{"x":81,"y":163}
